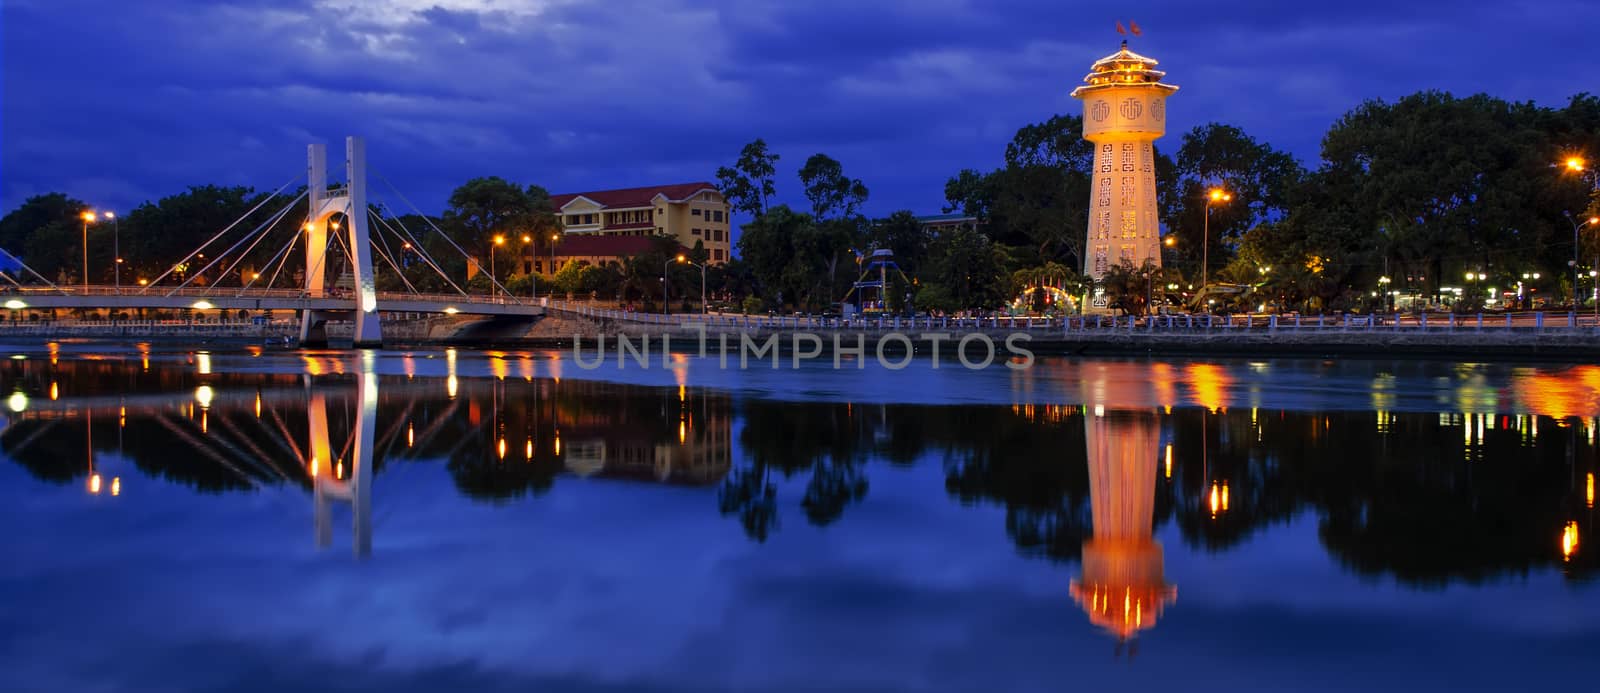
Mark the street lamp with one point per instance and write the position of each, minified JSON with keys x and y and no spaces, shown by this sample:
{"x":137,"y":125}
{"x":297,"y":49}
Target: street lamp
{"x":527,"y":240}
{"x":685,"y":260}
{"x":553,"y":238}
{"x":1216,"y":195}
{"x":494,"y":286}
{"x":88,"y":218}
{"x":116,"y":250}
{"x":1576,"y":227}
{"x":666,"y":306}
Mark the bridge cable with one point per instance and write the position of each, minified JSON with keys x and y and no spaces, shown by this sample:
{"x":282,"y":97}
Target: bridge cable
{"x":281,"y":258}
{"x":25,"y":266}
{"x":421,"y":252}
{"x":273,"y":220}
{"x":447,"y":237}
{"x":263,"y":236}
{"x":213,"y":239}
{"x":397,"y":270}
{"x":388,"y":252}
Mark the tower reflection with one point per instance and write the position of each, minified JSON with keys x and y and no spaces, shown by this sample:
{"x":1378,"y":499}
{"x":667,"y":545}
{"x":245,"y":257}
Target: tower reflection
{"x":1123,"y":587}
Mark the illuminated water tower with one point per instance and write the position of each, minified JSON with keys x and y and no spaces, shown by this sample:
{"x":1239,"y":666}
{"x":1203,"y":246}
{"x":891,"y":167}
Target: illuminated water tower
{"x":1124,"y":111}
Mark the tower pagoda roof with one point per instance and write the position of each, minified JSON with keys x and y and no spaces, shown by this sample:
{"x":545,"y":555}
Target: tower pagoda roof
{"x":1123,"y":68}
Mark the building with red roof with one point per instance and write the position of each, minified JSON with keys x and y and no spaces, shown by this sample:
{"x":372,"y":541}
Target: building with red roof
{"x":596,"y":224}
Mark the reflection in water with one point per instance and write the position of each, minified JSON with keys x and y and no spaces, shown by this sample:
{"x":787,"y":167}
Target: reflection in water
{"x":1123,"y":587}
{"x":1427,"y":498}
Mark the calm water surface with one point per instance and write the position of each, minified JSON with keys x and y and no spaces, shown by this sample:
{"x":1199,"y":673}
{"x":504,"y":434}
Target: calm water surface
{"x":393,"y":521}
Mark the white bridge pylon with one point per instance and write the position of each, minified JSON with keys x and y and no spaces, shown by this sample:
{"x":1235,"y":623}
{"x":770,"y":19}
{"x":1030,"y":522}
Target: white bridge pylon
{"x":350,"y":202}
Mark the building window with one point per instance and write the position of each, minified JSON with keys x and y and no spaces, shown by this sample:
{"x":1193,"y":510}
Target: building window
{"x":716,"y":215}
{"x":716,"y":254}
{"x":694,"y":212}
{"x":695,"y":231}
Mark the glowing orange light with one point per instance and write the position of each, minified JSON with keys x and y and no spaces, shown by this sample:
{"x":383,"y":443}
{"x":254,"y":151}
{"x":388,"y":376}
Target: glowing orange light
{"x":683,"y":432}
{"x":1569,"y":541}
{"x":94,"y":483}
{"x":55,"y":391}
{"x":1589,"y":491}
{"x":1169,"y":241}
{"x":1169,"y":460}
{"x":527,"y":449}
{"x":499,"y":240}
{"x":526,"y":238}
{"x":338,"y":470}
{"x":502,"y":448}
{"x":88,"y":216}
{"x":314,"y":467}
{"x":1575,"y":163}
{"x":411,"y":436}
{"x":116,"y":486}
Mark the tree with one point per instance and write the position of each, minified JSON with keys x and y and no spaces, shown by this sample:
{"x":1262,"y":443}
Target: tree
{"x":901,"y":233}
{"x":1039,"y":199}
{"x":832,"y":194}
{"x":1131,"y":289}
{"x":485,"y":208}
{"x":749,"y":183}
{"x":1260,"y":180}
{"x":966,"y":271}
{"x":1450,"y":184}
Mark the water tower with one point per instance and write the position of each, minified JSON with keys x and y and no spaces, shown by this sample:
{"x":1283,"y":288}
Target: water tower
{"x":1124,"y":112}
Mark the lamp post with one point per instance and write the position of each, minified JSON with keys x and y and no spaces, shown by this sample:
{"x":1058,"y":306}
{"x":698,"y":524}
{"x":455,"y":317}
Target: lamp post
{"x":685,"y":260}
{"x":116,"y":250}
{"x":1213,"y":197}
{"x":666,"y":306}
{"x":88,"y":218}
{"x":1577,"y":226}
{"x":533,"y":285}
{"x":494,"y":284}
{"x":553,"y":238}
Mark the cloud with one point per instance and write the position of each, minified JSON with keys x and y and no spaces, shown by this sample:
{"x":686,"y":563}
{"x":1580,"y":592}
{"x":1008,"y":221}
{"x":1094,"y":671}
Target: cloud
{"x":118,"y":102}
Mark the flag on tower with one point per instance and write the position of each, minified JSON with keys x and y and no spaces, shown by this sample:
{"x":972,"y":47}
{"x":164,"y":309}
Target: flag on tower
{"x":1121,"y":29}
{"x":1134,"y":27}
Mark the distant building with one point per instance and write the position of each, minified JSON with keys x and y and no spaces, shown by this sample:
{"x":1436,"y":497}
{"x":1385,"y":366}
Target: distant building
{"x":934,"y":223}
{"x":688,"y":212}
{"x":594,"y":250}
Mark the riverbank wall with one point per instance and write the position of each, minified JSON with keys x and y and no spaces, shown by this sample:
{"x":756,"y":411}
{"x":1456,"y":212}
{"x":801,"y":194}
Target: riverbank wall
{"x":560,"y":330}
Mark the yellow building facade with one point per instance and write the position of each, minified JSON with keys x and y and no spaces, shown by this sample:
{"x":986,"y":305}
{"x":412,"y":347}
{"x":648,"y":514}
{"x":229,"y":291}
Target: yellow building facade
{"x":1124,"y":112}
{"x":688,"y":212}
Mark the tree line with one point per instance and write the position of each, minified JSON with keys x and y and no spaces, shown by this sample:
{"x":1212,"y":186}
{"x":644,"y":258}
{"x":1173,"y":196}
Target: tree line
{"x":1408,"y":195}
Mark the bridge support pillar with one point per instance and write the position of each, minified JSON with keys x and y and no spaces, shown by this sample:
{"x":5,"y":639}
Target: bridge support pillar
{"x":313,"y":329}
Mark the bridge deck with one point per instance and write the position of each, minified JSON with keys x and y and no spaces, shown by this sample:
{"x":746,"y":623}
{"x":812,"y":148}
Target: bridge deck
{"x":96,"y":297}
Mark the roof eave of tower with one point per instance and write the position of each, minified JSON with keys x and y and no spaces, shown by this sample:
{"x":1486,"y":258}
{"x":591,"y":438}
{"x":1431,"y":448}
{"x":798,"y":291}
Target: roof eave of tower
{"x":1125,"y":55}
{"x":1087,"y":89}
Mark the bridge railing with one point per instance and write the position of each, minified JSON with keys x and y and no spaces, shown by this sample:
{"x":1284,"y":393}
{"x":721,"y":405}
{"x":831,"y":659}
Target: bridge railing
{"x":813,"y":322}
{"x":1352,"y":322}
{"x":225,"y":292}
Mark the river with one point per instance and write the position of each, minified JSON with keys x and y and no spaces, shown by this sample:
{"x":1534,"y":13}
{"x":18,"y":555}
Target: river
{"x":239,"y":519}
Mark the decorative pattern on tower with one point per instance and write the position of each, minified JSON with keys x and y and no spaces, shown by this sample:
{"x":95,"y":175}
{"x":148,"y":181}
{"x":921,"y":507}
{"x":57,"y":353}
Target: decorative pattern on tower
{"x":1124,"y":111}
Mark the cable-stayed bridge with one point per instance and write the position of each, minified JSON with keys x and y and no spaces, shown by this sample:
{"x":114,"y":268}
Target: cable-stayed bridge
{"x":339,"y":222}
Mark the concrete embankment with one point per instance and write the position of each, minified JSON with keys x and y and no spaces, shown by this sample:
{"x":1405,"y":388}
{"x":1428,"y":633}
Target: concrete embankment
{"x":558,"y":330}
{"x":1505,"y":344}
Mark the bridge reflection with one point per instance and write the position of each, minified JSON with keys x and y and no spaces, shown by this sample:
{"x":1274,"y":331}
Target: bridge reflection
{"x":330,"y":435}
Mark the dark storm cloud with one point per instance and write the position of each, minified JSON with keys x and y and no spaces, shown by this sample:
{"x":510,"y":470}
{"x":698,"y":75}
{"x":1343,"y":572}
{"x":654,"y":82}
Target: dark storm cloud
{"x":118,"y":102}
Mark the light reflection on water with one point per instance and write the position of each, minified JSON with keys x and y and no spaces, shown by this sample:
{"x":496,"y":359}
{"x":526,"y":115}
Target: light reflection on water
{"x":1100,"y":490}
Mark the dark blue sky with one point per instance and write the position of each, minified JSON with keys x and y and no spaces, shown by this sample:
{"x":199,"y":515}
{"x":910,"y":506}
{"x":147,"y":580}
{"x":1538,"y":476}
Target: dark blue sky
{"x":118,"y":102}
